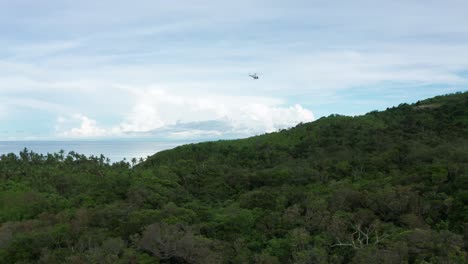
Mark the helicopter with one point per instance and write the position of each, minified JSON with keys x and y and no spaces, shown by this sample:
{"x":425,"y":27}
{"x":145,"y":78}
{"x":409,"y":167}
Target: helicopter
{"x":254,"y":76}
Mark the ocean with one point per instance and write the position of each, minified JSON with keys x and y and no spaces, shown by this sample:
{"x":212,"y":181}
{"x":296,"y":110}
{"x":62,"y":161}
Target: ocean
{"x":114,"y":150}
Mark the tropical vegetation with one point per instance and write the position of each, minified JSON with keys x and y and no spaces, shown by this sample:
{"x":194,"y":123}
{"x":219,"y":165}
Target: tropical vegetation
{"x":385,"y":187}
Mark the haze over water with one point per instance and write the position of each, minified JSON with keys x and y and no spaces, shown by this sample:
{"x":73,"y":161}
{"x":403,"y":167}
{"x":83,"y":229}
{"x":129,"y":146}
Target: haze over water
{"x":114,"y":150}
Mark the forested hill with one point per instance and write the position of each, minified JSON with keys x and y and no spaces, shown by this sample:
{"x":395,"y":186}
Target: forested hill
{"x":424,"y":143}
{"x":385,"y":187}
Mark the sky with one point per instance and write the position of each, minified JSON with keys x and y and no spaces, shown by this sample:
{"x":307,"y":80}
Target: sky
{"x":179,"y":70}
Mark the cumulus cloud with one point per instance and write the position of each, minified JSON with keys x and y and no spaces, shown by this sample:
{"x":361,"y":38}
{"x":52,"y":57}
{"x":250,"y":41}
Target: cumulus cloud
{"x":158,"y":113}
{"x":86,"y":127}
{"x":156,"y":110}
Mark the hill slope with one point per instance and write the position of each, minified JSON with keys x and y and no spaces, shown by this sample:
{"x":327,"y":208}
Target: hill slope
{"x":405,"y":167}
{"x":385,"y":187}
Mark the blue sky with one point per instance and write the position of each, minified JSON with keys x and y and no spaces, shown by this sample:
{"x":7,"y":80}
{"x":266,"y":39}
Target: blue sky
{"x":178,"y":71}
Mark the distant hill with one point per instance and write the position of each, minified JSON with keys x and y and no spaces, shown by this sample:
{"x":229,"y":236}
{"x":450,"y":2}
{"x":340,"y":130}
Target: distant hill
{"x":385,"y":187}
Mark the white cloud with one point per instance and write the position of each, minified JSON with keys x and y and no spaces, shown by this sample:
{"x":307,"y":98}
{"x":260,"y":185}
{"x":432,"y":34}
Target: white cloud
{"x":158,"y":112}
{"x":155,"y":108}
{"x":344,"y":69}
{"x":86,"y":127}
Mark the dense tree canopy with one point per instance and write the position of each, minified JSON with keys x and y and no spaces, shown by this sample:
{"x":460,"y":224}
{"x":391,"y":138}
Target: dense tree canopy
{"x":385,"y":187}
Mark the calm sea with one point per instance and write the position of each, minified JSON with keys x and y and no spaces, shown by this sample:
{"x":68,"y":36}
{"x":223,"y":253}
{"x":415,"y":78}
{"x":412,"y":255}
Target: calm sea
{"x":114,"y":150}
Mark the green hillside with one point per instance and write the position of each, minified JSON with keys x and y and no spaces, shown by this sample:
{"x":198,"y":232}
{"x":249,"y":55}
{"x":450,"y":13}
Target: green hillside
{"x":385,"y":187}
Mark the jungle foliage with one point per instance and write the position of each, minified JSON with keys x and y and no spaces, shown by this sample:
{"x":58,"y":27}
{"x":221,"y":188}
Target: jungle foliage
{"x":385,"y":187}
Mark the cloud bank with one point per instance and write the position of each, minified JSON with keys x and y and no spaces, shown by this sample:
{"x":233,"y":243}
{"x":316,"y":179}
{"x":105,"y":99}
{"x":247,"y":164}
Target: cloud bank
{"x":158,"y":113}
